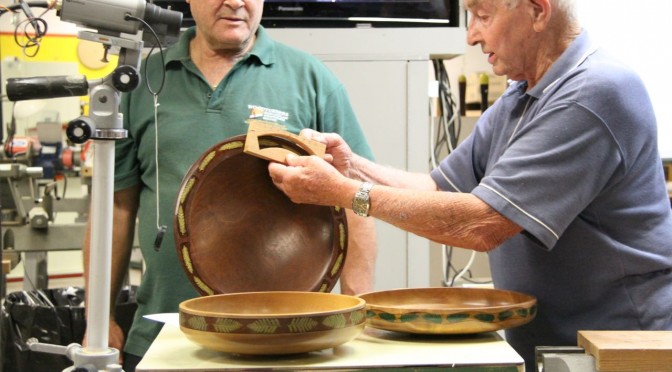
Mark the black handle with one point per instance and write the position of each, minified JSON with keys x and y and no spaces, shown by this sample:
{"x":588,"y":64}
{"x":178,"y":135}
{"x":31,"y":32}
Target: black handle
{"x":20,"y":89}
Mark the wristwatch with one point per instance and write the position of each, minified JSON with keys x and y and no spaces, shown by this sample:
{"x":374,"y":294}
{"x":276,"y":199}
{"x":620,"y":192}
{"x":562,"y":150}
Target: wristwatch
{"x":361,"y":203}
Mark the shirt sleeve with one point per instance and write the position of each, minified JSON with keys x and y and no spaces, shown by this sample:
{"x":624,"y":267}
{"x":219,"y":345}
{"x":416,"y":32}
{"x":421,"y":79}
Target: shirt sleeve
{"x":546,"y":175}
{"x":126,"y":165}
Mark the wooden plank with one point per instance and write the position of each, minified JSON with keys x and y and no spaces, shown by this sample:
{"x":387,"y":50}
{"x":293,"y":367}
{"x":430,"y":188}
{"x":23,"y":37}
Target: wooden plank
{"x":619,"y":351}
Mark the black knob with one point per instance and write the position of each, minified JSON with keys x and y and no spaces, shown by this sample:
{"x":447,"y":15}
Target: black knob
{"x":79,"y":130}
{"x":125,"y":78}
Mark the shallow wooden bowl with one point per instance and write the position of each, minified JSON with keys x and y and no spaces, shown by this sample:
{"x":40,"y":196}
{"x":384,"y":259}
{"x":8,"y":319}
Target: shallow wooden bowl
{"x":236,"y":232}
{"x":275,"y":322}
{"x":448,"y":310}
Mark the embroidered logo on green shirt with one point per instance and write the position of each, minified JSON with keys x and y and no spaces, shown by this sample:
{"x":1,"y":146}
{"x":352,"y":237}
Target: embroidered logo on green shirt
{"x":267,"y":114}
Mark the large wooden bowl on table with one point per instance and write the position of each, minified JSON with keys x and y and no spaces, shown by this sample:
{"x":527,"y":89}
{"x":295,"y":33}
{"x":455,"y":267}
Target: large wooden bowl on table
{"x":269,"y":323}
{"x":445,"y":311}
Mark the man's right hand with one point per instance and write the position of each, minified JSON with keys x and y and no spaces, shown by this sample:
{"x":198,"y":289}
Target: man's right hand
{"x":116,"y":339}
{"x":338,"y":152}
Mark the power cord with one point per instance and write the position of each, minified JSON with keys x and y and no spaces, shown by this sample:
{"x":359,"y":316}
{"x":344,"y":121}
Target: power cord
{"x":32,"y":29}
{"x":445,"y":136}
{"x":161,"y":229}
{"x":449,"y":123}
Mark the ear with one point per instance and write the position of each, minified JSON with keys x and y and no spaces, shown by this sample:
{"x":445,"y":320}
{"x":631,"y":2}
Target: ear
{"x":540,"y":12}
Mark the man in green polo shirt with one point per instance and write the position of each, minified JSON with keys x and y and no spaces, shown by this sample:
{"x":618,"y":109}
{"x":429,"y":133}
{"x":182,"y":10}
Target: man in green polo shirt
{"x":220,"y":73}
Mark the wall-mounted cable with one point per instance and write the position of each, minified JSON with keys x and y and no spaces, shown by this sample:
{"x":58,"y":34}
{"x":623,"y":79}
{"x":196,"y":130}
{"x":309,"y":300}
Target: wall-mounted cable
{"x":445,"y":134}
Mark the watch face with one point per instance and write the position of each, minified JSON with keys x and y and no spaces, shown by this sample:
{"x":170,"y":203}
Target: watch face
{"x":360,"y":204}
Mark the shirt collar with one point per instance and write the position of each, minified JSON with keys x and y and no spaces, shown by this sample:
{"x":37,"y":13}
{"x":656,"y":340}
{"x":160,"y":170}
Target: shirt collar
{"x":263,"y":48}
{"x":571,"y":58}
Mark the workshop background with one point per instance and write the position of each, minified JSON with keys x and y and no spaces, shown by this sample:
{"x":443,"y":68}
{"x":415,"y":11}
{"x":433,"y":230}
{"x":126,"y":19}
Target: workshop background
{"x":397,"y":80}
{"x":56,"y":257}
{"x":391,"y":71}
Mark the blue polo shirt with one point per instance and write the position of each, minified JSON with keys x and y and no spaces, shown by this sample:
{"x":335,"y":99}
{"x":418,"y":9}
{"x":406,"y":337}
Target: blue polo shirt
{"x":574,"y":162}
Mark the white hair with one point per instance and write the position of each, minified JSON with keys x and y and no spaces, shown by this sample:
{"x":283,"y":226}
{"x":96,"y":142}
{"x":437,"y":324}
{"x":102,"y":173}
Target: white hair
{"x":567,"y":8}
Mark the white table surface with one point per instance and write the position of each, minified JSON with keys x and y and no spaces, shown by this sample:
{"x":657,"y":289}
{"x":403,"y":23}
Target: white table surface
{"x":172,"y":351}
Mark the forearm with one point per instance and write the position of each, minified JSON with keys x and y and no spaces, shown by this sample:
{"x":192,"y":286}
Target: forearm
{"x":122,"y":248}
{"x":408,"y":201}
{"x":457,"y":219}
{"x":117,"y":274}
{"x":125,"y":214}
{"x":358,"y":273}
{"x":411,"y":201}
{"x":365,"y":170}
{"x":123,"y":230}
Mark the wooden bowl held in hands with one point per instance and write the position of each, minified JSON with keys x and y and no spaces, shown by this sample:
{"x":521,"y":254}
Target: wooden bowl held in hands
{"x":236,"y":232}
{"x":448,"y":310}
{"x":275,"y":322}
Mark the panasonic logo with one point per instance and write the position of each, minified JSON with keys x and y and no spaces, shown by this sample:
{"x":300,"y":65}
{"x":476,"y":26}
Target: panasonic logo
{"x":290,"y":8}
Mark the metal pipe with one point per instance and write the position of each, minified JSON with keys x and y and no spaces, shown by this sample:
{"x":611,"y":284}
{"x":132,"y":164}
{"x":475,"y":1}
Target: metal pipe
{"x":100,"y":258}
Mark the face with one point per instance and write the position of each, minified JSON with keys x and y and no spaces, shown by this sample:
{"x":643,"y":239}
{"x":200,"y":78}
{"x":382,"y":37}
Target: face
{"x":504,"y":35}
{"x":227,"y":24}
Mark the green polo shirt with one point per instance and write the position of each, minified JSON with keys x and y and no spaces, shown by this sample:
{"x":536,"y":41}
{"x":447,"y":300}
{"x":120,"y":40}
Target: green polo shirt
{"x":274,"y":82}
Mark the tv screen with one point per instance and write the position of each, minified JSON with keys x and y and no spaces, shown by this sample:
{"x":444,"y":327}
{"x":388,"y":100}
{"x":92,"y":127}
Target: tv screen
{"x":346,"y":13}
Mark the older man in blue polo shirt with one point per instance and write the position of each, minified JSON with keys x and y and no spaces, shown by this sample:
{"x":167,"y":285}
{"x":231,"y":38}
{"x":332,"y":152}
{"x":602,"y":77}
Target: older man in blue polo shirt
{"x":561,"y":181}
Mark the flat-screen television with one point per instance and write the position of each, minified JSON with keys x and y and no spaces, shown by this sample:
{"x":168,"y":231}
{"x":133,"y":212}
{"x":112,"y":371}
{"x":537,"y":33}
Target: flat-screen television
{"x":361,"y":13}
{"x":346,"y":13}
